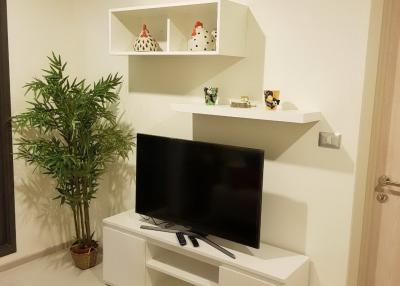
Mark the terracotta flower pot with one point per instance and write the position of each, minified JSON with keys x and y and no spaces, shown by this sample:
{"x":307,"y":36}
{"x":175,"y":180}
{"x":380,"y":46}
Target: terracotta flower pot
{"x":84,"y":258}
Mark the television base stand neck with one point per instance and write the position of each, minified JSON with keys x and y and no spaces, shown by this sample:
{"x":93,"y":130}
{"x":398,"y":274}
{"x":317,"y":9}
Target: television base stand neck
{"x":198,"y":236}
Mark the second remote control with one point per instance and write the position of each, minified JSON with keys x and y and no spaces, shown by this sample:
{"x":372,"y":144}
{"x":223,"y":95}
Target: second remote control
{"x":194,"y":241}
{"x":181,"y":238}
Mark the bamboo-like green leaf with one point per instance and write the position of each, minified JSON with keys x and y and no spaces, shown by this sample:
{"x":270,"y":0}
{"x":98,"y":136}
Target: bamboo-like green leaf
{"x":71,"y":132}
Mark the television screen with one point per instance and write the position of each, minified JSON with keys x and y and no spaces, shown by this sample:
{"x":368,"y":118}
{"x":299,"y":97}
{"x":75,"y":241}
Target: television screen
{"x":210,"y":188}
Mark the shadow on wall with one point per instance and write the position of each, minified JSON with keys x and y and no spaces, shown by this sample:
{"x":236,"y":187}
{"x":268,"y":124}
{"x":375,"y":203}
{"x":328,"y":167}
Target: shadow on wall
{"x":291,"y":224}
{"x":273,"y":137}
{"x":114,"y":195}
{"x":290,"y":143}
{"x":177,"y":75}
{"x":185,"y":75}
{"x":37,"y":192}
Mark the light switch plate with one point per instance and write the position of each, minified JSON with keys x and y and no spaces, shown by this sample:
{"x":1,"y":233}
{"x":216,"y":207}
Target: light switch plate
{"x":330,"y":140}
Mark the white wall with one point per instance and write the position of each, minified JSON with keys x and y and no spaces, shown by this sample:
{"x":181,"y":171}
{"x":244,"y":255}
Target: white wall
{"x":313,"y":51}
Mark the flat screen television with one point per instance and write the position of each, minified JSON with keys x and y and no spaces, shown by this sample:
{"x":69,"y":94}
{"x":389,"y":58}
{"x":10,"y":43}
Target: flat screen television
{"x":210,"y":188}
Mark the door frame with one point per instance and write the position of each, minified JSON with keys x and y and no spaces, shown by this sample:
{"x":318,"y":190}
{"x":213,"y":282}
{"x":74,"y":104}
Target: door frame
{"x":7,"y":177}
{"x":379,"y":134}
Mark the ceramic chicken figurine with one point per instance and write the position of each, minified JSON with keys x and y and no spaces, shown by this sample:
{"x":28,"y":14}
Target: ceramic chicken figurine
{"x":201,"y":39}
{"x":145,"y":42}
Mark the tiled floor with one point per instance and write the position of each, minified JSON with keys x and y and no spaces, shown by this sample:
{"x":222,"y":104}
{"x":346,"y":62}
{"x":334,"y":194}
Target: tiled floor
{"x":53,"y":270}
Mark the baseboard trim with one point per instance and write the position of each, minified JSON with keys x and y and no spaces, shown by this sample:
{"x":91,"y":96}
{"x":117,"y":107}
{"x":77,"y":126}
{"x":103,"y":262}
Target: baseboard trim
{"x":29,"y":258}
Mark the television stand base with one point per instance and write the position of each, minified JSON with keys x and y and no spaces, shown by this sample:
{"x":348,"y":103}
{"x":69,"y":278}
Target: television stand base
{"x":151,"y":258}
{"x":198,"y":236}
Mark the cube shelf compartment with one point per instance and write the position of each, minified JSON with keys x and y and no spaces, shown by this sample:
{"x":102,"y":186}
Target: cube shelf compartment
{"x":171,"y":25}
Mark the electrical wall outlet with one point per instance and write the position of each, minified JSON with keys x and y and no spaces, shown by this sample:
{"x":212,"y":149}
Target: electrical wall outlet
{"x":330,"y":140}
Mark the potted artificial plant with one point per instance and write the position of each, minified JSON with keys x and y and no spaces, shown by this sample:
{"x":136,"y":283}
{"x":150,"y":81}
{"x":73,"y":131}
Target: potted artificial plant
{"x":71,"y":133}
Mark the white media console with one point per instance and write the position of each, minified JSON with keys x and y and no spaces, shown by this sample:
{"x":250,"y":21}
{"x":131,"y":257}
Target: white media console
{"x":138,"y":257}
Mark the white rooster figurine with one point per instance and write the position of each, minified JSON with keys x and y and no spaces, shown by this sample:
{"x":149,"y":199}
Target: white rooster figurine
{"x":145,"y":42}
{"x":201,"y":39}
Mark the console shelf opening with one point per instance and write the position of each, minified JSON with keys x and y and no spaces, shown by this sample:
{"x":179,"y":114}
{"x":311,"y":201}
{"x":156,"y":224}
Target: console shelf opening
{"x":182,"y":267}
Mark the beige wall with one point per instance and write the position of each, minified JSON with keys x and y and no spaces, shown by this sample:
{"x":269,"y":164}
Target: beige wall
{"x":313,"y":51}
{"x":35,"y":29}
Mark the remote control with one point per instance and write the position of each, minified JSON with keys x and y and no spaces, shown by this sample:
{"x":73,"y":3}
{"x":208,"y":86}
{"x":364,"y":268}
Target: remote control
{"x":194,"y":241}
{"x":181,"y":238}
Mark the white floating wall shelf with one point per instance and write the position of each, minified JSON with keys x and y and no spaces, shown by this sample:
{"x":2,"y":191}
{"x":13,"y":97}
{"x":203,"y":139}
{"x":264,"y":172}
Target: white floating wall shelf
{"x":258,"y":113}
{"x":171,"y":25}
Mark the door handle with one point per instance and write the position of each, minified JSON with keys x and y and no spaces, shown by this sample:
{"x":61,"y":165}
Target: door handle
{"x":384,"y":181}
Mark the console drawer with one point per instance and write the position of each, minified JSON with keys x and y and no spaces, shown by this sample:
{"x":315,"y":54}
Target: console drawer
{"x":230,"y":277}
{"x":124,"y":258}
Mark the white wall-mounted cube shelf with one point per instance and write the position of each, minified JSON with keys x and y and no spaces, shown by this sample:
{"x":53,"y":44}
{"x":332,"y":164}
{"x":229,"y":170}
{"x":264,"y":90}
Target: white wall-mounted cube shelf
{"x":171,"y":25}
{"x":258,"y":113}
